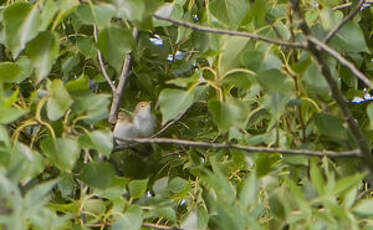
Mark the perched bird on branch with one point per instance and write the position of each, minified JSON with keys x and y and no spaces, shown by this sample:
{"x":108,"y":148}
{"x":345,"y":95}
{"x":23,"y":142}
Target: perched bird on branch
{"x":142,"y":123}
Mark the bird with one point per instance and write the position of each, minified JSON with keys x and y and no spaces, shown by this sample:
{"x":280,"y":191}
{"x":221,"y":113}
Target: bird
{"x":144,"y":119}
{"x":141,"y":124}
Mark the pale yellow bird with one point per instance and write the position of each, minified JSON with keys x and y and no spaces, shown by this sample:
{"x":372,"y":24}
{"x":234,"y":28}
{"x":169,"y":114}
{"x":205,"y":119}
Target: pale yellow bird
{"x":142,"y":124}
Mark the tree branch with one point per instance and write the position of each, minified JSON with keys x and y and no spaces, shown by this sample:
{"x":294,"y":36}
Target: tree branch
{"x":342,"y":60}
{"x":230,"y":32}
{"x":250,"y":149}
{"x":169,"y":124}
{"x":101,"y":62}
{"x":118,"y":93}
{"x":336,"y":93}
{"x":160,"y":227}
{"x":344,"y":21}
{"x":346,"y":5}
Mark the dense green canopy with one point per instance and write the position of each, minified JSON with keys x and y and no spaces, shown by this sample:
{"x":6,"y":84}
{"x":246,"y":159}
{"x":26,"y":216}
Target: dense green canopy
{"x":262,"y":117}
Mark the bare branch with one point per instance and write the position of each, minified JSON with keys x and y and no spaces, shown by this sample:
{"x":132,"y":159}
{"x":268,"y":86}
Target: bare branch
{"x":342,"y":60}
{"x":336,"y":93}
{"x":169,"y":124}
{"x":230,"y":32}
{"x":346,"y":5}
{"x":160,"y":227}
{"x":250,"y":149}
{"x":344,"y":21}
{"x":101,"y":62}
{"x":117,"y":97}
{"x":365,"y":193}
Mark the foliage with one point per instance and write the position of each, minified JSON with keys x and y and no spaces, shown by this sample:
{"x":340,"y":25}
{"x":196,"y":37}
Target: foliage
{"x":58,"y":167}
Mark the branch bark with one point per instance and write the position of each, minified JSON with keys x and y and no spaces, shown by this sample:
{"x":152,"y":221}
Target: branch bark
{"x":250,"y":149}
{"x":341,"y":59}
{"x":230,"y":32}
{"x":350,"y":16}
{"x":118,"y":93}
{"x":101,"y":62}
{"x":336,"y":93}
{"x":346,"y":5}
{"x":160,"y":227}
{"x":169,"y":124}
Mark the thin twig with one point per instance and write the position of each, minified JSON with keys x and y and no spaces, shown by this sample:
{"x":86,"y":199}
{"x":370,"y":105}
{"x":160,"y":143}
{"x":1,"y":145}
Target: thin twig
{"x":117,"y":97}
{"x":341,"y":59}
{"x":346,"y":5}
{"x":250,"y":149}
{"x":367,"y":192}
{"x":336,"y":93}
{"x":351,"y":15}
{"x":101,"y":62}
{"x":169,"y":124}
{"x":161,"y":227}
{"x":230,"y":32}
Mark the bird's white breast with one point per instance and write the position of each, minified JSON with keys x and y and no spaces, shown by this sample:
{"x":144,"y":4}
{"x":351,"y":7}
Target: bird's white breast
{"x":127,"y":130}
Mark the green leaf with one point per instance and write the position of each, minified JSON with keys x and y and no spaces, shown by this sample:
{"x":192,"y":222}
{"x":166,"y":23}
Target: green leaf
{"x":190,"y":222}
{"x":137,"y":188}
{"x":225,"y":192}
{"x":47,"y":14}
{"x":115,"y":43}
{"x":24,"y":163}
{"x":364,"y":207}
{"x":233,"y":47}
{"x":98,"y":174}
{"x":238,"y":79}
{"x":317,"y":178}
{"x":21,"y":21}
{"x":99,"y":15}
{"x":15,"y":72}
{"x":177,"y":185}
{"x":350,"y":38}
{"x":87,"y":47}
{"x":8,"y":115}
{"x":229,"y":12}
{"x":94,"y":106}
{"x":329,"y":18}
{"x":330,"y":126}
{"x":78,"y":85}
{"x":277,"y":207}
{"x":259,"y":9}
{"x":265,"y":163}
{"x":38,"y":195}
{"x":9,"y":71}
{"x":370,"y":115}
{"x":94,"y":206}
{"x":249,"y":191}
{"x":132,"y":9}
{"x":63,"y":152}
{"x":166,"y":212}
{"x":203,"y":218}
{"x":347,"y":183}
{"x":315,"y":81}
{"x":160,"y":185}
{"x":252,"y":59}
{"x":225,"y":115}
{"x":275,"y":103}
{"x":27,"y":68}
{"x":131,"y":220}
{"x":43,"y":51}
{"x":59,"y":100}
{"x":172,"y":102}
{"x":103,"y":141}
{"x":275,"y":81}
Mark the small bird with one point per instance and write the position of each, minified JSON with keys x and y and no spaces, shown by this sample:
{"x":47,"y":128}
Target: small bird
{"x":124,"y":128}
{"x":144,"y":119}
{"x":142,"y":124}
